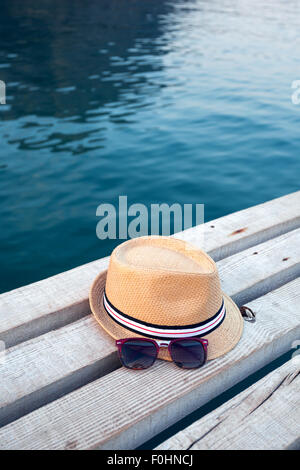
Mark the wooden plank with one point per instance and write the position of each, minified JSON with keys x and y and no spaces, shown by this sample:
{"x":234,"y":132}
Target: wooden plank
{"x":262,"y":268}
{"x":42,"y":369}
{"x":265,"y":416}
{"x":125,"y":408}
{"x":62,"y":360}
{"x":51,"y":303}
{"x":236,"y":232}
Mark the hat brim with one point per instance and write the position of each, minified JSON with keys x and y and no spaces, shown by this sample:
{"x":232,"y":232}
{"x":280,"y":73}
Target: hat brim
{"x":220,"y":341}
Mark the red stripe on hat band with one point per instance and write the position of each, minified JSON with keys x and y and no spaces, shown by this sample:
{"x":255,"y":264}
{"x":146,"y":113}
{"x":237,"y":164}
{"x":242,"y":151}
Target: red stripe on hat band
{"x":139,"y":327}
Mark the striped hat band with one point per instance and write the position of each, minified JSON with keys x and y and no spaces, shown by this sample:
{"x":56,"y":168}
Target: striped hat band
{"x":162,"y":331}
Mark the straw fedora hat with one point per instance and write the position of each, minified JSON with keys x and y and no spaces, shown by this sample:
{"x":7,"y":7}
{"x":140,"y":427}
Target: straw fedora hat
{"x":164,"y":288}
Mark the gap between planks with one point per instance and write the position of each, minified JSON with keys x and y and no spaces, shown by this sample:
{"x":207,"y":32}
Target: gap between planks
{"x":49,"y":304}
{"x":45,"y":368}
{"x":124,"y":409}
{"x":265,"y":416}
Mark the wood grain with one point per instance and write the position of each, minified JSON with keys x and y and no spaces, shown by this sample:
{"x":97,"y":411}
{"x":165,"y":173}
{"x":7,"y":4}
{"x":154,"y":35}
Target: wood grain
{"x":51,"y":303}
{"x":236,"y":232}
{"x":60,"y":361}
{"x":123,"y":409}
{"x":265,"y":416}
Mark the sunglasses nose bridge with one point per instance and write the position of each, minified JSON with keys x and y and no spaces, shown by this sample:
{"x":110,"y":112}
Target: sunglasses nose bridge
{"x":163,"y":344}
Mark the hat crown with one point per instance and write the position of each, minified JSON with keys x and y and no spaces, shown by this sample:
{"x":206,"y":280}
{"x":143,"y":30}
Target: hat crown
{"x":163,"y":281}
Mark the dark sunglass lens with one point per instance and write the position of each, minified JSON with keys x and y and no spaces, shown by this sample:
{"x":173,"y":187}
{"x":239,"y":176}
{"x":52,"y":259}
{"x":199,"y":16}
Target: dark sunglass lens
{"x":138,"y":354}
{"x":188,"y":353}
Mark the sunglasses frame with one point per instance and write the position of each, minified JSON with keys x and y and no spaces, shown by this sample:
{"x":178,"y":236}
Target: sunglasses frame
{"x":161,"y":344}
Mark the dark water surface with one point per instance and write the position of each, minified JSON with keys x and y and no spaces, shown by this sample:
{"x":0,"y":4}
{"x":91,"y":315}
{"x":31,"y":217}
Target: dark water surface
{"x":162,"y":101}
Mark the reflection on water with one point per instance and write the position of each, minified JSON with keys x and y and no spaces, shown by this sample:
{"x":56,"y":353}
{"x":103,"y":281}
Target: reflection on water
{"x":85,"y":64}
{"x":164,"y":101}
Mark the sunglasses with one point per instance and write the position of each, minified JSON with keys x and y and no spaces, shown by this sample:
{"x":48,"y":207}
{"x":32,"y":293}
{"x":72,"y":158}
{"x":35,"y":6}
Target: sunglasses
{"x":141,"y":353}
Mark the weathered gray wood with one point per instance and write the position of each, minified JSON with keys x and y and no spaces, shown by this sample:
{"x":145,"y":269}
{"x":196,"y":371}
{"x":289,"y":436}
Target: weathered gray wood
{"x":265,"y":416}
{"x":270,"y":264}
{"x":62,"y":360}
{"x":125,"y":408}
{"x":236,"y":232}
{"x":51,"y":365}
{"x":51,"y":303}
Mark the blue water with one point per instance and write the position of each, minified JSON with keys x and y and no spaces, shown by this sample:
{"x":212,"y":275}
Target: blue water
{"x":162,"y":101}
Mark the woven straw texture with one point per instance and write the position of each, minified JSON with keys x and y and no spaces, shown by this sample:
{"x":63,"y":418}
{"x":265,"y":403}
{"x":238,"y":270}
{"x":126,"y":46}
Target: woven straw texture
{"x":165,"y":281}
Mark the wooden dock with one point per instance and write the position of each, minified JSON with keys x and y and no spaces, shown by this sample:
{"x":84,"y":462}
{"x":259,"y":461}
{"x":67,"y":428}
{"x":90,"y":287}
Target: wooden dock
{"x":61,"y":378}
